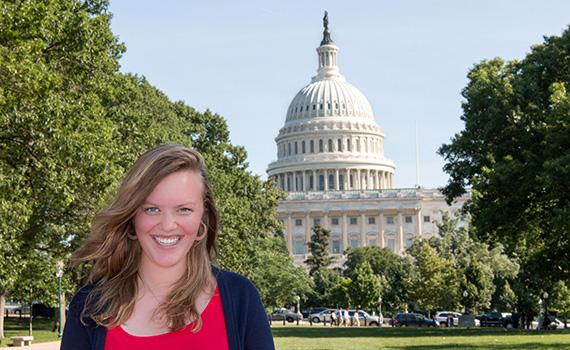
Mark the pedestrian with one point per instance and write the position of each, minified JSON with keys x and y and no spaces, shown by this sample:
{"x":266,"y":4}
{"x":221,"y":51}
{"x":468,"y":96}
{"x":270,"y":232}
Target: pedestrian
{"x":152,"y":282}
{"x":515,"y":317}
{"x":450,"y":320}
{"x":346,"y":317}
{"x":333,"y":318}
{"x":356,"y":321}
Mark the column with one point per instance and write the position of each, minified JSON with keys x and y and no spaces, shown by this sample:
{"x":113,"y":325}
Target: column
{"x":368,"y":180}
{"x":362,"y":230}
{"x":347,"y":180}
{"x":377,"y":177}
{"x":358,"y":186}
{"x":294,"y":174}
{"x":400,"y":233}
{"x":336,"y":184}
{"x":304,"y":181}
{"x":286,"y":182}
{"x":315,"y":186}
{"x":308,"y":230}
{"x":326,"y":219}
{"x":381,"y":239}
{"x":290,"y":234}
{"x":419,"y":222}
{"x":326,"y":175}
{"x":344,"y":232}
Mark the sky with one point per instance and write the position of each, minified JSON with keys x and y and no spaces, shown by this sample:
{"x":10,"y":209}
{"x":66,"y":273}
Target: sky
{"x":246,"y":60}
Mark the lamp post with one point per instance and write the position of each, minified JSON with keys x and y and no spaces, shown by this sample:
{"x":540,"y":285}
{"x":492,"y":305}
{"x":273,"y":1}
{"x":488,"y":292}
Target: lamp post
{"x":545,"y":297}
{"x":59,"y":274}
{"x":298,"y":299}
{"x":465,"y":295}
{"x":380,"y":317}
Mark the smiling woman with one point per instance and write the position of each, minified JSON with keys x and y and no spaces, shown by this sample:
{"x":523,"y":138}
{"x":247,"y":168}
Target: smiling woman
{"x":152,"y":283}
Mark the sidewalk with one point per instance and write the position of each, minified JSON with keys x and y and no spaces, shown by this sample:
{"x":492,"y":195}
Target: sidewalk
{"x":54,"y":345}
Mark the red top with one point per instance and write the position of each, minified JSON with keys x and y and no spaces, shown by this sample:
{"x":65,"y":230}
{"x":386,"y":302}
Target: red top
{"x":211,"y":336}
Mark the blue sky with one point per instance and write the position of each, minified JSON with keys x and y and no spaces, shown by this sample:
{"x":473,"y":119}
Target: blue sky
{"x":246,"y":60}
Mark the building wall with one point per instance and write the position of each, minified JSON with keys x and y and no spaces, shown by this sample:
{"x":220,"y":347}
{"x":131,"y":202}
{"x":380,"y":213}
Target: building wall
{"x":386,"y":218}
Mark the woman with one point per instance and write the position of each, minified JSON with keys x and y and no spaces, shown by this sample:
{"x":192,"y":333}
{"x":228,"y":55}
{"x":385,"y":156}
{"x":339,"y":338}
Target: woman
{"x":152,"y":284}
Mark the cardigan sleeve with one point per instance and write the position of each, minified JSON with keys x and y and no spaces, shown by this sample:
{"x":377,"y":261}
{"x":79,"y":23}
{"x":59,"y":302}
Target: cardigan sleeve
{"x":76,"y":335}
{"x":258,"y":333}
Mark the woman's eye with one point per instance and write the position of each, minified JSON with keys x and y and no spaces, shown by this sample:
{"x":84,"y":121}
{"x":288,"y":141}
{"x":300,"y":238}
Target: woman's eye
{"x":151,"y":210}
{"x":185,"y":210}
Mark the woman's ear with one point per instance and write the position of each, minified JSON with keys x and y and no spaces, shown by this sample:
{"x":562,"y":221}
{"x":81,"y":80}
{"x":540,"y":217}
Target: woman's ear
{"x":202,"y":231}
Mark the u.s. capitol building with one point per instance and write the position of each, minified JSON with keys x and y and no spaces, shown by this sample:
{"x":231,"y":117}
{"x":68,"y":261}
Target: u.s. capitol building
{"x":331,"y":163}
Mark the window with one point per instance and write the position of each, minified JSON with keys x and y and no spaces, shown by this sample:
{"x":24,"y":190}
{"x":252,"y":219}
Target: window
{"x":298,"y":247}
{"x":320,"y":145}
{"x":334,"y":221}
{"x":316,"y":222}
{"x":331,"y":182}
{"x":296,"y":150}
{"x":349,"y":145}
{"x":335,"y":246}
{"x":372,"y":242}
{"x":427,"y":218}
{"x":321,"y":182}
{"x":408,"y":219}
{"x":298,"y":222}
{"x":289,"y":147}
{"x":321,"y":107}
{"x":390,"y":220}
{"x":312,"y":147}
{"x":339,"y":145}
{"x":341,"y":182}
{"x":330,"y":145}
{"x":314,"y":107}
{"x":408,"y":243}
{"x":353,"y":220}
{"x":303,"y":147}
{"x":391,"y":244}
{"x":371,"y":220}
{"x":354,"y":243}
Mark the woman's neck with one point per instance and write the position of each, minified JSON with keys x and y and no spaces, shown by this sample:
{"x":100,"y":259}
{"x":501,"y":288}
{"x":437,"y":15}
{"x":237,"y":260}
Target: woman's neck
{"x":161,"y":279}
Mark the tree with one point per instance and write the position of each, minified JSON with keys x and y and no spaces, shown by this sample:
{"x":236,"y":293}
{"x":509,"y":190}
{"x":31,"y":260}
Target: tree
{"x":277,"y":279}
{"x":513,"y":154}
{"x":390,"y":267}
{"x":365,"y":288}
{"x":319,"y":247}
{"x":433,"y":283}
{"x":340,"y":293}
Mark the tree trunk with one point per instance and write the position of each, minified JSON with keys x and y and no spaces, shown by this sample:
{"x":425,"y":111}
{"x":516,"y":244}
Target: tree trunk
{"x":2,"y":308}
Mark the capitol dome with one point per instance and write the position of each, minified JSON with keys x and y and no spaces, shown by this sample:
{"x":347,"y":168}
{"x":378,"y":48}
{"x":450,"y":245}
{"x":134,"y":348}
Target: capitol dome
{"x":330,"y":140}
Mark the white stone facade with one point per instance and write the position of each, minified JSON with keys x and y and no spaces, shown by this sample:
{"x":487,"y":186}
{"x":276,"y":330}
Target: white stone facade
{"x":330,"y":160}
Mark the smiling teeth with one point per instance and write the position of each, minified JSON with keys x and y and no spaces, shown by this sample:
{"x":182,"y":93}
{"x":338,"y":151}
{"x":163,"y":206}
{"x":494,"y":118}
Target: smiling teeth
{"x":167,"y":241}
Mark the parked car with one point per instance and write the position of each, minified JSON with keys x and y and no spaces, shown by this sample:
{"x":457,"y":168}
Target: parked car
{"x":495,"y":319}
{"x":412,"y":319}
{"x":553,"y":322}
{"x":313,"y":310}
{"x":284,"y":314}
{"x":441,"y":318}
{"x":365,"y":318}
{"x":321,"y":316}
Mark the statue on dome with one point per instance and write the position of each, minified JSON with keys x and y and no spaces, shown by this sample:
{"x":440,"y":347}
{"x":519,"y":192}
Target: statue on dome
{"x":326,"y":35}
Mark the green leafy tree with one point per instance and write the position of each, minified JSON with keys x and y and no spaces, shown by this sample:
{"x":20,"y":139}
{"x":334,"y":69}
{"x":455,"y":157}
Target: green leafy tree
{"x":340,"y":293}
{"x":277,"y":279}
{"x":365,"y":288}
{"x":389,"y":266}
{"x":324,"y":281}
{"x":319,"y":248}
{"x":433,"y":283}
{"x":513,"y":154}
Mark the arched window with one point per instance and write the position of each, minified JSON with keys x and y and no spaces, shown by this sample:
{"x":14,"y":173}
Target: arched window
{"x":349,"y":145}
{"x":330,"y":145}
{"x":312,"y":146}
{"x":296,"y":150}
{"x":303,"y":147}
{"x":331,"y":182}
{"x":339,"y":145}
{"x":320,"y":145}
{"x":321,"y":182}
{"x":341,"y":182}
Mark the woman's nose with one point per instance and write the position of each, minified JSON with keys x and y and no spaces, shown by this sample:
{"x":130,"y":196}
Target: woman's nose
{"x":168,"y":222}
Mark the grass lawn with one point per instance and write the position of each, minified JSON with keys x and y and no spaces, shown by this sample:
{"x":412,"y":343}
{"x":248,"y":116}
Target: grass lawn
{"x":41,"y":330}
{"x":333,"y":338}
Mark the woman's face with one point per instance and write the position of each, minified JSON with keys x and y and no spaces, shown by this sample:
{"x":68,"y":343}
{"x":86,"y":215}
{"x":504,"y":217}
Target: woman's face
{"x":167,"y":223}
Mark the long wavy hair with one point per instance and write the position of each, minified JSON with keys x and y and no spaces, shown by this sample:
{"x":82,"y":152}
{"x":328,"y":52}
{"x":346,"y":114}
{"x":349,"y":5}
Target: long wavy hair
{"x":115,"y":258}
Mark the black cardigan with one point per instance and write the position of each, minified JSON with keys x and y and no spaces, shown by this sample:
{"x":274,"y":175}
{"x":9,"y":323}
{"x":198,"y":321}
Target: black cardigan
{"x":247,"y":326}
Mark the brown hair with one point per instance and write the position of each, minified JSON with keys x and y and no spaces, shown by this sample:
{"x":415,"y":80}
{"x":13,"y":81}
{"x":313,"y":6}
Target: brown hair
{"x":115,"y":258}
